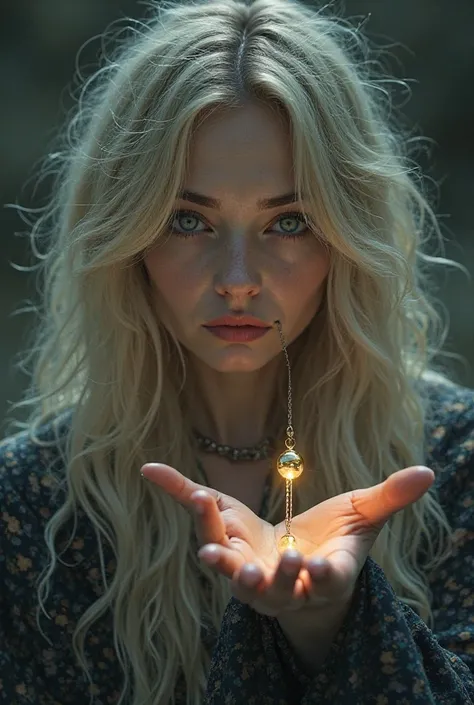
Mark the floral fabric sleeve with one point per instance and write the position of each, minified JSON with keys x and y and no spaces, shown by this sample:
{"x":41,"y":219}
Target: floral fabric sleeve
{"x":384,"y":654}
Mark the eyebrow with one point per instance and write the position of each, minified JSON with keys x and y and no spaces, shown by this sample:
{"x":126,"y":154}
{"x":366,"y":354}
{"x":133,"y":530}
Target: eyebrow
{"x":262,"y":204}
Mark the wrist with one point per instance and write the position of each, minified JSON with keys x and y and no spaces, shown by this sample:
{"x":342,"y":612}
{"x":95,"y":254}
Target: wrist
{"x":311,"y":632}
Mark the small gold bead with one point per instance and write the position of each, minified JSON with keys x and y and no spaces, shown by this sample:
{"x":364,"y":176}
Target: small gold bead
{"x":290,"y":465}
{"x":286,"y":541}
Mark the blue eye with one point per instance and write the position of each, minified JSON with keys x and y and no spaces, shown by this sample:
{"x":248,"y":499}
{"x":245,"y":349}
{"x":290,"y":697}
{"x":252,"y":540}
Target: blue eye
{"x":193,"y":218}
{"x":300,"y":218}
{"x":189,"y":216}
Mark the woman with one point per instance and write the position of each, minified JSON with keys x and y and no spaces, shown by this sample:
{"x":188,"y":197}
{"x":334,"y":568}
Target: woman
{"x":142,"y":566}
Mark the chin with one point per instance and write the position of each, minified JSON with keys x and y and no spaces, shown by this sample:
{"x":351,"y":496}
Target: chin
{"x":236,"y":360}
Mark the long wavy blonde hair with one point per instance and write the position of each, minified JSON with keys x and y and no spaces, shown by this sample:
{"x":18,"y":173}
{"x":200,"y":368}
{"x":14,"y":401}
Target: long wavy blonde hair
{"x":101,"y":350}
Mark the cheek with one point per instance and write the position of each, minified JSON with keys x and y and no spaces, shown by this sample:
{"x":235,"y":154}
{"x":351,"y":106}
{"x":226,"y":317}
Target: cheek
{"x":175,"y":277}
{"x":302,"y":279}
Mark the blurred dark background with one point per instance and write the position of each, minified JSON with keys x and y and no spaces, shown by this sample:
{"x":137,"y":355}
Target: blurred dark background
{"x":428,"y":42}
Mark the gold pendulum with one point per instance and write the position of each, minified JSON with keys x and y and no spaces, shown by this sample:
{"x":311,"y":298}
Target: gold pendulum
{"x":290,"y":463}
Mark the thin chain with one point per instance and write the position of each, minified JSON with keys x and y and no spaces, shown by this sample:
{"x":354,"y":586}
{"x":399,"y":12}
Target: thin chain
{"x":290,"y":440}
{"x":289,"y":504}
{"x":289,"y":430}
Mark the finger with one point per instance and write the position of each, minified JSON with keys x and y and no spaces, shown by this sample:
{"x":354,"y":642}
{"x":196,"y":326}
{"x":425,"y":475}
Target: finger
{"x":248,"y":583}
{"x":323,"y":587}
{"x":378,"y":503}
{"x":258,"y":592}
{"x":208,"y":521}
{"x":284,"y":586}
{"x":223,"y":560}
{"x":270,"y":594}
{"x":319,"y":568}
{"x":320,"y":581}
{"x":174,"y":483}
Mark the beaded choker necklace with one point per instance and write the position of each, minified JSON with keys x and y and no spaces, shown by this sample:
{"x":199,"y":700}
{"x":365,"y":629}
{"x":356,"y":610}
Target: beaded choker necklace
{"x":262,"y":451}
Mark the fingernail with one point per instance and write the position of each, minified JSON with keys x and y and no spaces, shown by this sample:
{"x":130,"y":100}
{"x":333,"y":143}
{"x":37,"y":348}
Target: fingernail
{"x":199,"y":494}
{"x":319,"y":567}
{"x":199,"y":509}
{"x":251,"y":574}
{"x":424,"y":469}
{"x":210,"y":553}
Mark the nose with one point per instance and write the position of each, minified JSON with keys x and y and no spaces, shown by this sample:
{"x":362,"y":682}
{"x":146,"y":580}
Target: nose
{"x":237,"y":275}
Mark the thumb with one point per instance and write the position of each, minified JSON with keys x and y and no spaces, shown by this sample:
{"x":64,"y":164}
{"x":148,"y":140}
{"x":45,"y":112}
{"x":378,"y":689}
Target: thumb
{"x":377,"y":504}
{"x":180,"y":487}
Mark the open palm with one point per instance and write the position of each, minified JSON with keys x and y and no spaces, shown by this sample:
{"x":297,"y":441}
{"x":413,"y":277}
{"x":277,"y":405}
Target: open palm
{"x":333,"y":539}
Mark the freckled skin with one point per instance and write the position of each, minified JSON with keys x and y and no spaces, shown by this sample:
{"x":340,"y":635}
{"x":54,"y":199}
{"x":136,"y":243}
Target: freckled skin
{"x":238,"y":258}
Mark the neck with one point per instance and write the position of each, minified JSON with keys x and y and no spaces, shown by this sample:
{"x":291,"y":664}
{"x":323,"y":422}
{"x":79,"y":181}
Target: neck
{"x":233,"y":408}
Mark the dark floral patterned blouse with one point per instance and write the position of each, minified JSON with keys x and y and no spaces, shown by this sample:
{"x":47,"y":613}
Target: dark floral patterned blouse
{"x":384,"y":654}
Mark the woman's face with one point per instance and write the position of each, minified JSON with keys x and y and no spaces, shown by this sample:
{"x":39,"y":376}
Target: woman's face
{"x":233,"y":256}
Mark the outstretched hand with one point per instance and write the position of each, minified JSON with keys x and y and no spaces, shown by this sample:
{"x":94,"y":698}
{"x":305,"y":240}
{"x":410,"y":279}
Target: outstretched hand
{"x":333,"y":539}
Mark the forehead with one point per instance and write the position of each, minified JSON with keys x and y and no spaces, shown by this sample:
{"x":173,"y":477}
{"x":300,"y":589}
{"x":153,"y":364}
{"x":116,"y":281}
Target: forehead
{"x":240,"y":151}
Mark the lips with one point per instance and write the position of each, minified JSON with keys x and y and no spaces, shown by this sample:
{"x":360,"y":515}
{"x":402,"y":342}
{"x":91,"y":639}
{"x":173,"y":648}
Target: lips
{"x":238,"y":334}
{"x":237,"y":321}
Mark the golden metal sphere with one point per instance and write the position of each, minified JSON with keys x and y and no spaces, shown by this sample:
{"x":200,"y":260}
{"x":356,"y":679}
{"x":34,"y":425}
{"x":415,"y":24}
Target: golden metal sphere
{"x":286,"y":541}
{"x":290,"y":464}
